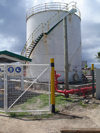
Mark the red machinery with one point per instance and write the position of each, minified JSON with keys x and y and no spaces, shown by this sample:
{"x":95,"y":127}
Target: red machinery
{"x":82,"y":91}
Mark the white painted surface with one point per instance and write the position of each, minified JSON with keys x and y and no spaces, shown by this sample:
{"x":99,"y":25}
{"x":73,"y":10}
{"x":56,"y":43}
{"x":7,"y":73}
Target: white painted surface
{"x":53,"y":45}
{"x":45,"y":18}
{"x":98,"y":84}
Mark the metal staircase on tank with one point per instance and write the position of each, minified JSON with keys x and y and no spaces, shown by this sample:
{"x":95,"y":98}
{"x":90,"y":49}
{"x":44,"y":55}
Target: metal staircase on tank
{"x":33,"y":44}
{"x":43,"y":29}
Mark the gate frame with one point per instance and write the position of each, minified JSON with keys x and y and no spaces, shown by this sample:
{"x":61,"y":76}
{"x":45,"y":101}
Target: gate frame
{"x":6,"y":108}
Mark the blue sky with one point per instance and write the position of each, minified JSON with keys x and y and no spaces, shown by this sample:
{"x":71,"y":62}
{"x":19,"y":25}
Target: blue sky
{"x":13,"y":25}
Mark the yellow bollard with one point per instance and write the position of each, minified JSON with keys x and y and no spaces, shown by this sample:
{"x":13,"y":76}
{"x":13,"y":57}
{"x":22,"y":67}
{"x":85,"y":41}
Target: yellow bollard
{"x":93,"y":89}
{"x":92,"y":67}
{"x":52,"y":85}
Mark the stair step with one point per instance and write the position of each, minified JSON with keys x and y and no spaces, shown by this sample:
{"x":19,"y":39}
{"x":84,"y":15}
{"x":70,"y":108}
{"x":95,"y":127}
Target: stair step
{"x":33,"y":44}
{"x":29,"y":48}
{"x":28,"y":51}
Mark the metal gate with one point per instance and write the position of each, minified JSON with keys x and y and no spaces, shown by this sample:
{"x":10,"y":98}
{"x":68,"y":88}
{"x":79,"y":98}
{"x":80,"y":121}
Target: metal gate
{"x":24,"y":88}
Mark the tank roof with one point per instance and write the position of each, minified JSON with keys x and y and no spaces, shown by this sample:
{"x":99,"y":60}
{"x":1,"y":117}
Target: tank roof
{"x":51,"y":7}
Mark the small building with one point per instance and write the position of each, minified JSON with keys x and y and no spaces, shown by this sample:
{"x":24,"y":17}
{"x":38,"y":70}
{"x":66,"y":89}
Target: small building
{"x":9,"y":57}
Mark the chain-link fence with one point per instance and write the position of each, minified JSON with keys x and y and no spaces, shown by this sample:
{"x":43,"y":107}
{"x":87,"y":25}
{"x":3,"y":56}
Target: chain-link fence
{"x":2,"y":87}
{"x":25,"y":88}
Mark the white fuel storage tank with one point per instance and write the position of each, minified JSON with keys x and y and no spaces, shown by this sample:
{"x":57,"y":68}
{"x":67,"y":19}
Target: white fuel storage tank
{"x":45,"y":37}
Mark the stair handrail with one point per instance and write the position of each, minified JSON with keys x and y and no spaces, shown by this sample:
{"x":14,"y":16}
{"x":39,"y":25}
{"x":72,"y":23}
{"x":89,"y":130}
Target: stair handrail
{"x":45,"y":27}
{"x":31,"y":39}
{"x":45,"y":7}
{"x":48,"y":6}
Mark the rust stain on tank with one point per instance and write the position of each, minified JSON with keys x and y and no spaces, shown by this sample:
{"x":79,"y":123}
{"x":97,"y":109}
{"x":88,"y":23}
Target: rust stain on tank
{"x":45,"y":43}
{"x":70,"y":18}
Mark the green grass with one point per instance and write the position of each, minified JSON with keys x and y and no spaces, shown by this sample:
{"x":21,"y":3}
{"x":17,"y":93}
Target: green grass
{"x":29,"y":115}
{"x":70,"y":100}
{"x":82,"y":104}
{"x":42,"y":101}
{"x":20,"y":114}
{"x":39,"y":101}
{"x":59,"y":99}
{"x":60,"y":102}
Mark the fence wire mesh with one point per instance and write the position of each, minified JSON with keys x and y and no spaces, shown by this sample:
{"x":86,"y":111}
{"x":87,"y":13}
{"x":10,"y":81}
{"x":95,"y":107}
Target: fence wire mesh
{"x":25,"y":88}
{"x":1,"y":87}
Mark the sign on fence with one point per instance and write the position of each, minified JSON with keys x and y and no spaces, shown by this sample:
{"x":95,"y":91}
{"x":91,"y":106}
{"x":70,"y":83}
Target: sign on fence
{"x":14,"y":70}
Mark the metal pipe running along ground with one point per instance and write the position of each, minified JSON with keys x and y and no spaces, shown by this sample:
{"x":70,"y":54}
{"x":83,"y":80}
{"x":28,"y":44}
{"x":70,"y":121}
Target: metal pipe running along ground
{"x":82,"y":90}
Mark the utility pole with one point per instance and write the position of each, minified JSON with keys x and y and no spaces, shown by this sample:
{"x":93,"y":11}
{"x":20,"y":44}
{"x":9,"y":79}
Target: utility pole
{"x":66,"y":66}
{"x":66,"y":53}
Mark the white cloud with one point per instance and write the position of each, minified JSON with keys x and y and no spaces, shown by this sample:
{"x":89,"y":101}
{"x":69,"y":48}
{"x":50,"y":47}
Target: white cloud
{"x":92,"y":40}
{"x":7,"y":42}
{"x":29,"y":3}
{"x":90,"y":10}
{"x":1,"y":21}
{"x":3,"y":2}
{"x":98,"y":1}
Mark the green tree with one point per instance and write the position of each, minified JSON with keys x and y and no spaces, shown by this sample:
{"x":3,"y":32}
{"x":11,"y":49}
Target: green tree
{"x":86,"y":66}
{"x":98,"y":55}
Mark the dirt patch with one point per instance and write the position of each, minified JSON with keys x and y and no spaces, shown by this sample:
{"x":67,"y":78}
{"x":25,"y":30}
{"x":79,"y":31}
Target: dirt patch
{"x":77,"y":113}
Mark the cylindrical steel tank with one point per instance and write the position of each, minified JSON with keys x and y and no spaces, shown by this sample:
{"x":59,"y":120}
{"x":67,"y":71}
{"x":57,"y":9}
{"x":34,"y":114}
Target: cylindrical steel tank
{"x":45,"y":26}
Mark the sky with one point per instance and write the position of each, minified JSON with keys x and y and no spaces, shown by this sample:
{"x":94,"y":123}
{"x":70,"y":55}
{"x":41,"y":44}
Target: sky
{"x":13,"y":25}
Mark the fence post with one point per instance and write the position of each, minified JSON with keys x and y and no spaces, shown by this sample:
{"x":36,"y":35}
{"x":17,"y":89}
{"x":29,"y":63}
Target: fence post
{"x":52,"y":86}
{"x":92,"y":70}
{"x":5,"y":89}
{"x":22,"y":79}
